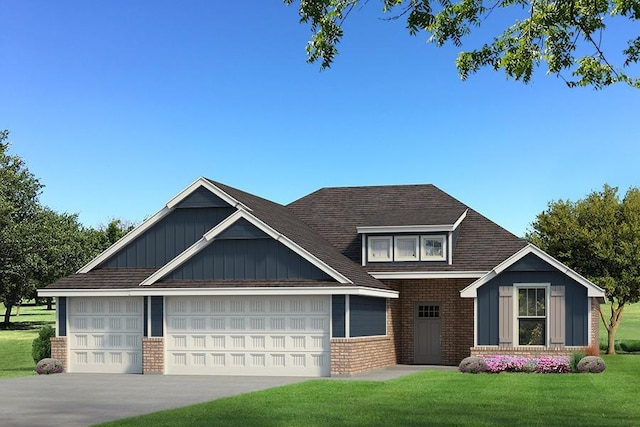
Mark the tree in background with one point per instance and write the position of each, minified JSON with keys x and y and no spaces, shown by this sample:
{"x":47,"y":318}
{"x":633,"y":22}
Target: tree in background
{"x":568,"y":35}
{"x":599,"y":237}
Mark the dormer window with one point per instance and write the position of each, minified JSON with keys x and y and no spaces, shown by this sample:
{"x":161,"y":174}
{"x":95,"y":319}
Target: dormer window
{"x":406,"y":248}
{"x":433,"y":248}
{"x":380,"y":249}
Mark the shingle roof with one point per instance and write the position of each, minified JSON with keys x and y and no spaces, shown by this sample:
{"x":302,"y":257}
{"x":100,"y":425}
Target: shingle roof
{"x":336,"y":212}
{"x":104,"y":278}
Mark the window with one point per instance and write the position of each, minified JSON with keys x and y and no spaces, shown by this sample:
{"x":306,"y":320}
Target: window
{"x":429,"y":311}
{"x":406,"y":248}
{"x":380,"y":249}
{"x":432,"y":248}
{"x":532,"y":312}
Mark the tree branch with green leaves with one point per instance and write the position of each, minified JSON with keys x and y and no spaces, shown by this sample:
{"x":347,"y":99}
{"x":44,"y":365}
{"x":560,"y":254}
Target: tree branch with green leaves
{"x":566,"y":35}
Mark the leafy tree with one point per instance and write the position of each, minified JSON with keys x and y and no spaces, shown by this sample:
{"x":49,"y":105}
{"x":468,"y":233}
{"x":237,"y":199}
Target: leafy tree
{"x":567,"y":35}
{"x":598,"y":236}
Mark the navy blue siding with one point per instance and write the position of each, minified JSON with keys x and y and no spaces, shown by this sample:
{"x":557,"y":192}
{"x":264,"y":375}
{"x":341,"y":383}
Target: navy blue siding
{"x":168,"y":238}
{"x":145,"y":317}
{"x":242,"y":229}
{"x":338,"y":316}
{"x":258,"y":259}
{"x":576,"y":301}
{"x":202,"y":198}
{"x":157,"y":309}
{"x":61,"y":307}
{"x":367,"y":316}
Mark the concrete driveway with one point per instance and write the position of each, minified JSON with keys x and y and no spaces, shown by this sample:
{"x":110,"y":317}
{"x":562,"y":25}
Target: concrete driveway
{"x":85,"y":399}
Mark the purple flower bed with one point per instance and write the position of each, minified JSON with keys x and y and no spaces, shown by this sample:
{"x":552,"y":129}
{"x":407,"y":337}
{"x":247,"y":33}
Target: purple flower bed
{"x":592,"y":364}
{"x":497,"y":364}
{"x":49,"y":366}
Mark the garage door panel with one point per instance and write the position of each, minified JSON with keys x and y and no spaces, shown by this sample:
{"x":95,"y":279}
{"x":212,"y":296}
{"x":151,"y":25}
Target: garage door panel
{"x":248,"y":336}
{"x":105,"y":335}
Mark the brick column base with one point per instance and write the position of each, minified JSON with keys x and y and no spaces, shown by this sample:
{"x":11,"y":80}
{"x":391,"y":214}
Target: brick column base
{"x":350,"y":356}
{"x":153,"y":355}
{"x":59,"y":350}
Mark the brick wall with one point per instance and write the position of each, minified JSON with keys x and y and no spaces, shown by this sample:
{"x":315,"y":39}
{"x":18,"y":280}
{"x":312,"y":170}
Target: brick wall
{"x":456,"y":315}
{"x":59,"y":349}
{"x":595,"y":322}
{"x":153,"y":355}
{"x":352,"y":355}
{"x":524,"y":351}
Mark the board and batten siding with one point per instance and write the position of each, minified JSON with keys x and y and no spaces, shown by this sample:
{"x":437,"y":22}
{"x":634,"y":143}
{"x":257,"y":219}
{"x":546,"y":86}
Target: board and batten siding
{"x":168,"y":238}
{"x":576,"y":304}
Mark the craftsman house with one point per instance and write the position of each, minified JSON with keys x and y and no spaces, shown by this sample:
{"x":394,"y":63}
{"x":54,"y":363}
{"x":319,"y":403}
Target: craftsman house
{"x":222,"y":282}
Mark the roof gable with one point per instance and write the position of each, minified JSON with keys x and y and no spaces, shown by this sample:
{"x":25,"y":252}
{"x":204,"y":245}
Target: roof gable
{"x":522,"y":259}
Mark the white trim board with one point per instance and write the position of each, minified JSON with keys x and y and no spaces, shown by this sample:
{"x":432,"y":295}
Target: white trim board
{"x":291,"y":290}
{"x":210,"y":236}
{"x":471,"y":291}
{"x":427,"y":274}
{"x":412,"y":228}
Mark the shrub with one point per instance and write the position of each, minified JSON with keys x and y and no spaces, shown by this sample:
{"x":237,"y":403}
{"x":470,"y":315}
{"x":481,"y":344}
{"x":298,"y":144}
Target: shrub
{"x":630,"y":346}
{"x":41,"y":347}
{"x":49,"y":366}
{"x":592,"y":364}
{"x":575,"y":359}
{"x":473,"y":365}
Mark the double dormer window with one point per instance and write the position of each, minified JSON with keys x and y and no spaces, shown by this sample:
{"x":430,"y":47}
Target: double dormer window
{"x":407,"y":248}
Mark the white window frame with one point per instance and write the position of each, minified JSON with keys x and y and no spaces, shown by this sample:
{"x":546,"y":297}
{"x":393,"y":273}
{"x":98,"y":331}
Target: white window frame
{"x":370,"y":241}
{"x":516,"y":312}
{"x":443,"y":240}
{"x":416,"y":245}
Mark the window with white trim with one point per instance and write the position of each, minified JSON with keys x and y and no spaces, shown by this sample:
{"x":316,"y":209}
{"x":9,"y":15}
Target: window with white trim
{"x":406,"y":248}
{"x":380,"y":249}
{"x":433,"y":248}
{"x":532,"y":316}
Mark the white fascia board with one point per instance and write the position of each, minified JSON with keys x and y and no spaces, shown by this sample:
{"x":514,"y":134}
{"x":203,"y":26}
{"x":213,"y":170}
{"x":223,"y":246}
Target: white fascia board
{"x":459,"y":220}
{"x":125,"y":240}
{"x":593,"y":290}
{"x":203,"y":182}
{"x":427,"y":274}
{"x":405,"y":229}
{"x":226,"y":223}
{"x":333,"y":290}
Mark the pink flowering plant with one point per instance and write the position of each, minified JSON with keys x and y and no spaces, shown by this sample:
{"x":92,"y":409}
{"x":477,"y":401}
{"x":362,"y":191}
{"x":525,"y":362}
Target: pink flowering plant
{"x":591,"y":364}
{"x":500,"y":363}
{"x":49,"y":366}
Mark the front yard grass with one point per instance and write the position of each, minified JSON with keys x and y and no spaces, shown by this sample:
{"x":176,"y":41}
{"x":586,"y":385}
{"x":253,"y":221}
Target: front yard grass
{"x":15,"y":343}
{"x":443,"y":398}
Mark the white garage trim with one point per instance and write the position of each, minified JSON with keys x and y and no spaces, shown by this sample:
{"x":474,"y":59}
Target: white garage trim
{"x":238,"y":335}
{"x":104,"y":335}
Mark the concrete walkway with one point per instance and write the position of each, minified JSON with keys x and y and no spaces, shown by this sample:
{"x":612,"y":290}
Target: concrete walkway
{"x":85,"y":399}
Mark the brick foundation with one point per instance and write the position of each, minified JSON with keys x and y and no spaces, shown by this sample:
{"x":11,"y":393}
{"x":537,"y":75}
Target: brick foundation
{"x":595,"y":322}
{"x":353,"y":355}
{"x":153,"y":355}
{"x":456,"y":315}
{"x":59,"y":350}
{"x":524,"y":351}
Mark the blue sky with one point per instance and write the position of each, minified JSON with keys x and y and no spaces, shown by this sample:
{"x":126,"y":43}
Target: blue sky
{"x":118,"y":105}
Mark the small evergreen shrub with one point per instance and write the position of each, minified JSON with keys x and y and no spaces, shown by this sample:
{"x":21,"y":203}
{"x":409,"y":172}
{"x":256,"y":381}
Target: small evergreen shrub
{"x":41,"y":347}
{"x":575,"y":359}
{"x":630,"y":346}
{"x":49,"y":366}
{"x":473,"y":365}
{"x":592,"y":364}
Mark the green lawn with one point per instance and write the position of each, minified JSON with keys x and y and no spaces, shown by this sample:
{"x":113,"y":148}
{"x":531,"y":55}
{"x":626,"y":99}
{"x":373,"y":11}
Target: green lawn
{"x":15,"y":344}
{"x":630,"y":325}
{"x":445,"y":398}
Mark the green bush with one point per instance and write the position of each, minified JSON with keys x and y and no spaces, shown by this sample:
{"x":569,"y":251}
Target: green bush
{"x":575,"y":359}
{"x":41,"y":347}
{"x":630,"y":346}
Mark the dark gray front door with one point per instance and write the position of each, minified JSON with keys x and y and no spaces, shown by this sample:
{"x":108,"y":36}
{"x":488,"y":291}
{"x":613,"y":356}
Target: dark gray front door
{"x":428,"y":328}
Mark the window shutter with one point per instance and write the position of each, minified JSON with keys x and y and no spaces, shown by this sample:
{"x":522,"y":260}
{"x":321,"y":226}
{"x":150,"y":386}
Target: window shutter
{"x":557,"y":317}
{"x":505,"y":315}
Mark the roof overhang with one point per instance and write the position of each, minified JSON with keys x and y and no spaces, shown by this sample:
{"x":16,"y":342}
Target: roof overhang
{"x":150,"y":291}
{"x":593,"y":290}
{"x":427,"y":274}
{"x":431,"y":228}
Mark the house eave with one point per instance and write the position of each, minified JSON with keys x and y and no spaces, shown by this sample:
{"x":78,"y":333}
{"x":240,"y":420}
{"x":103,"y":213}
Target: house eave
{"x":427,"y":274}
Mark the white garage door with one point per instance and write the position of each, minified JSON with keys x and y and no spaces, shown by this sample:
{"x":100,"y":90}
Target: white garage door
{"x":280,"y":336}
{"x":105,"y":335}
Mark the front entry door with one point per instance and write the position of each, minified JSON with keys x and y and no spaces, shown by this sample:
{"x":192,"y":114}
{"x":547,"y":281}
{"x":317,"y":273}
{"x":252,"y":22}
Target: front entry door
{"x":428,"y":327}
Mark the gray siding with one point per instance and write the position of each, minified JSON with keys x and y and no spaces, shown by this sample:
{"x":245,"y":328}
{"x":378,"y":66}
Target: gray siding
{"x":368,"y":316}
{"x":61,"y":307}
{"x":168,"y":238}
{"x":338,"y":316}
{"x":576,"y":315}
{"x":242,"y":229}
{"x":258,"y":259}
{"x":157,"y":314}
{"x":202,"y":198}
